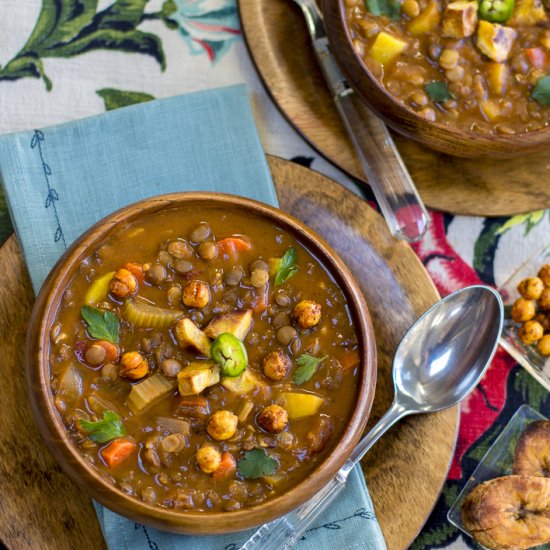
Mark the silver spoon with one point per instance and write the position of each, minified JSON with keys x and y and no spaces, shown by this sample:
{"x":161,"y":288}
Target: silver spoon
{"x":439,"y":361}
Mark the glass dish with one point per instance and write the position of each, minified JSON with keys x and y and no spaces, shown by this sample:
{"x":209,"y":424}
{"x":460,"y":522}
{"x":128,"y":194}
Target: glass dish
{"x":527,"y":356}
{"x":497,"y":462}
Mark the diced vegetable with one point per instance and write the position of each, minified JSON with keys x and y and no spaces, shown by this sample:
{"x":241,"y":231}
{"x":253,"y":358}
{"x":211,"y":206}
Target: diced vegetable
{"x":110,"y":427}
{"x":528,"y":12}
{"x":495,"y":41}
{"x":245,"y":409}
{"x":273,"y":266}
{"x":301,"y":405}
{"x":98,"y":289}
{"x":227,"y":467}
{"x":426,"y":21}
{"x":537,"y":57}
{"x":242,"y":384}
{"x":117,"y":452}
{"x":193,"y":406}
{"x":148,"y":391}
{"x":141,"y":314}
{"x":100,"y":324}
{"x":274,"y":479}
{"x":236,"y":322}
{"x":491,"y":109}
{"x":173,"y":425}
{"x":190,"y":336}
{"x":497,"y":74}
{"x":233,"y":245}
{"x":196,"y":377}
{"x":386,"y":48}
{"x":349,"y":360}
{"x":99,"y":403}
{"x":230,"y":354}
{"x":70,"y":385}
{"x":459,"y":19}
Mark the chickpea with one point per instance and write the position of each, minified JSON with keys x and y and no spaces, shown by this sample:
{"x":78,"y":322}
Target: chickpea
{"x":123,"y":284}
{"x":180,"y":249}
{"x":531,"y":332}
{"x":544,"y":345}
{"x":133,"y":365}
{"x":544,"y":300}
{"x":531,"y":288}
{"x":208,"y":458}
{"x":222,"y":425}
{"x":307,"y":313}
{"x":544,"y":274}
{"x":273,"y":419}
{"x":101,"y":352}
{"x":196,"y":294}
{"x":522,"y":310}
{"x":276,"y":365}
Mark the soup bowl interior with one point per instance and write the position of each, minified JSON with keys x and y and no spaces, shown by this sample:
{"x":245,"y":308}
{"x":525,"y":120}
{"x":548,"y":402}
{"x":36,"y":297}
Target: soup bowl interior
{"x":438,"y":136}
{"x":68,"y":455}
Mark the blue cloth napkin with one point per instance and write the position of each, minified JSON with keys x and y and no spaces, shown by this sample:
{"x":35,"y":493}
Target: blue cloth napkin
{"x":61,"y":180}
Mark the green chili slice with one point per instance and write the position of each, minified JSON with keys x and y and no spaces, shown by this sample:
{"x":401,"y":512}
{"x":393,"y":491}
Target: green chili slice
{"x":496,"y":11}
{"x":229,"y":352}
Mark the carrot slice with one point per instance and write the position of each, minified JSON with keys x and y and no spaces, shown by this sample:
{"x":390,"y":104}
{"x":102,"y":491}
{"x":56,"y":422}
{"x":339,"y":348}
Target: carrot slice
{"x":117,"y":451}
{"x":537,"y":57}
{"x":233,"y":245}
{"x":135,"y":269}
{"x":227,"y":467}
{"x":349,"y":360}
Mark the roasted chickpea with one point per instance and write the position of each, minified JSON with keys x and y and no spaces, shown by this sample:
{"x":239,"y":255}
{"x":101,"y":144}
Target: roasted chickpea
{"x":276,"y":365}
{"x":544,"y":300}
{"x":544,"y":345}
{"x":544,"y":274}
{"x":222,"y":425}
{"x":531,"y":288}
{"x":522,"y":310}
{"x":133,"y":365}
{"x":196,"y":294}
{"x":180,"y":249}
{"x":531,"y":332}
{"x":101,"y":352}
{"x":123,"y":284}
{"x":307,"y":313}
{"x":208,"y":458}
{"x":273,"y":419}
{"x":544,"y":320}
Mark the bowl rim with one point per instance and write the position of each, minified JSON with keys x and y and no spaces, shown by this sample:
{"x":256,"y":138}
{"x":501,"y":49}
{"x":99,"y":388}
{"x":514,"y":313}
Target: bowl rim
{"x":452,"y":131}
{"x":57,"y":438}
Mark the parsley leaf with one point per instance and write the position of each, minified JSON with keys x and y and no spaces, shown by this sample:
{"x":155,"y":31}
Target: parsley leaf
{"x":438,"y":91}
{"x":104,"y":430}
{"x":307,"y":365}
{"x":391,"y":8}
{"x":101,"y":324}
{"x":287,"y":267}
{"x":256,"y":463}
{"x":541,"y":92}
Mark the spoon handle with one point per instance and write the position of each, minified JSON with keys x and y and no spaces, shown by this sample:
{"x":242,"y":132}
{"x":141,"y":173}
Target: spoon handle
{"x":284,"y":532}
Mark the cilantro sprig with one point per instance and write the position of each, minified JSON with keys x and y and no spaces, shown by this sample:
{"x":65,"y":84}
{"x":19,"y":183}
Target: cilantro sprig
{"x":101,"y":324}
{"x":104,"y":430}
{"x":287,"y":267}
{"x":307,"y":365}
{"x":391,"y":8}
{"x":256,"y":463}
{"x":438,"y":91}
{"x":541,"y":92}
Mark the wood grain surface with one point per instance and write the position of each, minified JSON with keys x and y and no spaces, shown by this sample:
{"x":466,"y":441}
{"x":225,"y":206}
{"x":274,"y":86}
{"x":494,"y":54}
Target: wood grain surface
{"x":277,"y":37}
{"x":41,"y":508}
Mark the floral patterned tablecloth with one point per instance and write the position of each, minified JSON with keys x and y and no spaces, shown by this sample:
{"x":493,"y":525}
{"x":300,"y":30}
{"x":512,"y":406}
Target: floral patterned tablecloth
{"x":65,"y":59}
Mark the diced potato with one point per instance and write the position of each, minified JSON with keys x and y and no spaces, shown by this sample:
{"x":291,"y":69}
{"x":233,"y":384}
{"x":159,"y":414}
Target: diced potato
{"x":99,"y":404}
{"x":301,"y":405}
{"x":426,"y":21}
{"x":245,"y":409}
{"x":491,"y":109}
{"x":273,"y":266}
{"x":196,"y":377}
{"x":386,"y":48}
{"x":70,"y":384}
{"x":236,"y":322}
{"x":148,"y":391}
{"x":495,"y":41}
{"x":460,"y":19}
{"x":98,"y":289}
{"x":528,"y":12}
{"x":242,"y":384}
{"x":497,"y":74}
{"x":190,"y":336}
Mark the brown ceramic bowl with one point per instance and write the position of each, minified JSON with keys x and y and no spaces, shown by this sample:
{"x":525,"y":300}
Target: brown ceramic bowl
{"x":68,"y":456}
{"x":406,"y":121}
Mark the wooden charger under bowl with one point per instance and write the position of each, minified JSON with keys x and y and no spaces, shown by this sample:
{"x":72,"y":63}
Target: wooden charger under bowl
{"x":69,"y":457}
{"x":440,"y":137}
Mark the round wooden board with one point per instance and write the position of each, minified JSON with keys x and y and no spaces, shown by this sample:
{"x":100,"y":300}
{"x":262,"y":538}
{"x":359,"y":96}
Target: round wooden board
{"x":42,"y":508}
{"x":277,"y":37}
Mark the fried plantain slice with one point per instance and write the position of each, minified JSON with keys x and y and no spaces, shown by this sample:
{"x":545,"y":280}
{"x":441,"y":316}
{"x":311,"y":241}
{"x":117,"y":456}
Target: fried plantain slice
{"x":532,"y":455}
{"x":509,"y":513}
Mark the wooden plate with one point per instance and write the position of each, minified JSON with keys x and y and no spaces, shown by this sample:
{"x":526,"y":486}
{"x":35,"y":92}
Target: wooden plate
{"x":42,"y":508}
{"x":277,"y":37}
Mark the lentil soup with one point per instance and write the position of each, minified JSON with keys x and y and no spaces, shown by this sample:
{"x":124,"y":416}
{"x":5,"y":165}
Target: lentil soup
{"x":481,"y":66}
{"x":203,"y":360}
